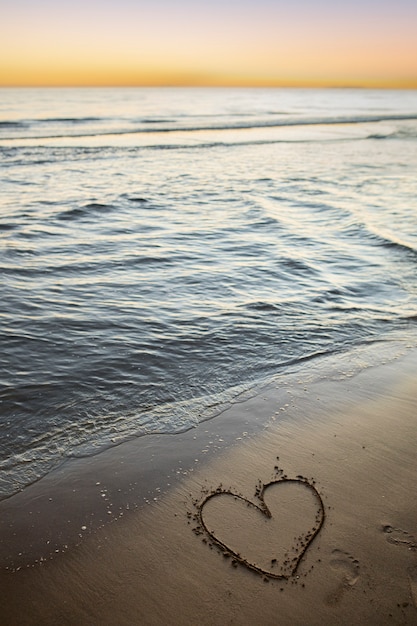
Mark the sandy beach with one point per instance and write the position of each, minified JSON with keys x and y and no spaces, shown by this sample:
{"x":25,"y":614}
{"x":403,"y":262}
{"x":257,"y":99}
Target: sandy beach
{"x":207,"y":392}
{"x":311,"y":520}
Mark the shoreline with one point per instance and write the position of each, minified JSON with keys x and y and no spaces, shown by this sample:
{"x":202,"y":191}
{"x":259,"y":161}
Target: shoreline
{"x":353,"y":439}
{"x":84,"y":494}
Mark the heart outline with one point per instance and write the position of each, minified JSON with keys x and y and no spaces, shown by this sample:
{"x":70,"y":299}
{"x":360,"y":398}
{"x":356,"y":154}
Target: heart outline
{"x":264,"y":510}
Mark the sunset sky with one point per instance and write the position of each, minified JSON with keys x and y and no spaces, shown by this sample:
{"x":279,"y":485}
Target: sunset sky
{"x":209,"y":42}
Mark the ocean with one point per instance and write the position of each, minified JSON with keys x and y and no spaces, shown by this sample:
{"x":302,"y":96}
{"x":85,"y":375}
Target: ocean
{"x":164,"y":251}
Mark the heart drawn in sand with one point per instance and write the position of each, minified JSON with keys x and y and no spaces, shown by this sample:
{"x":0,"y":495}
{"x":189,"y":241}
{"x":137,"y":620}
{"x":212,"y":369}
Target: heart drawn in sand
{"x":270,"y":536}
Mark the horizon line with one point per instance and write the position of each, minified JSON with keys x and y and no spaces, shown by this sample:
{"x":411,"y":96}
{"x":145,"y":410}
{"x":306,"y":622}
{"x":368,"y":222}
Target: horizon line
{"x":406,"y":86}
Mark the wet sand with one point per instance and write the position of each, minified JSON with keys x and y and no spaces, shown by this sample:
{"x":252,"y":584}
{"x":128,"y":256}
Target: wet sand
{"x":311,"y":520}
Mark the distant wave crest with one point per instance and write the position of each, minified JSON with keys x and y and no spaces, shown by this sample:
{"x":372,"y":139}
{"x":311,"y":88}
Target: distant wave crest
{"x":154,"y":125}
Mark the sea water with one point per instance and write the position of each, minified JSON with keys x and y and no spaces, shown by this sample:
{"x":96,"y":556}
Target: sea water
{"x":164,"y":250}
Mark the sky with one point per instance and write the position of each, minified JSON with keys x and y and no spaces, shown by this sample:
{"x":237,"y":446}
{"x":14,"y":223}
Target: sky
{"x":365,"y":43}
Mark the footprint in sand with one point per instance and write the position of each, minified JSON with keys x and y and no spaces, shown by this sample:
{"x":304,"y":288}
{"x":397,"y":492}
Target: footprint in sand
{"x":400,"y":537}
{"x":347,"y":569}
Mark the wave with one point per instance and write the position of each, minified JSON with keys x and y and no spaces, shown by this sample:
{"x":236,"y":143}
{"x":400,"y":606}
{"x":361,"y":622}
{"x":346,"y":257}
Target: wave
{"x":389,"y":242}
{"x":134,"y":198}
{"x":48,"y":120}
{"x":401,"y":133}
{"x":384,"y":238}
{"x":8,"y":226}
{"x":85,"y":211}
{"x":411,"y":318}
{"x":156,"y":121}
{"x":15,"y":156}
{"x":68,"y":120}
{"x":73,"y":438}
{"x":260,"y":124}
{"x":13,"y":124}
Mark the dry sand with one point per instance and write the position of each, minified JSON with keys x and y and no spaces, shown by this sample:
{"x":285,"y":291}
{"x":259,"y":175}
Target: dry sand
{"x":332,"y":539}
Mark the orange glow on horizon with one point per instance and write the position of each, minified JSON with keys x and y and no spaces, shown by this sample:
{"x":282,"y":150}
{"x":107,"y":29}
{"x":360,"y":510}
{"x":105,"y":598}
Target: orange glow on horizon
{"x":189,"y":43}
{"x":132,"y":77}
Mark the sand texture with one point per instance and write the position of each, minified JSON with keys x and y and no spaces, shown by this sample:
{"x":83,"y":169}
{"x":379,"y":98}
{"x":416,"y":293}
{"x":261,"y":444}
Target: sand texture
{"x":312,"y":521}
